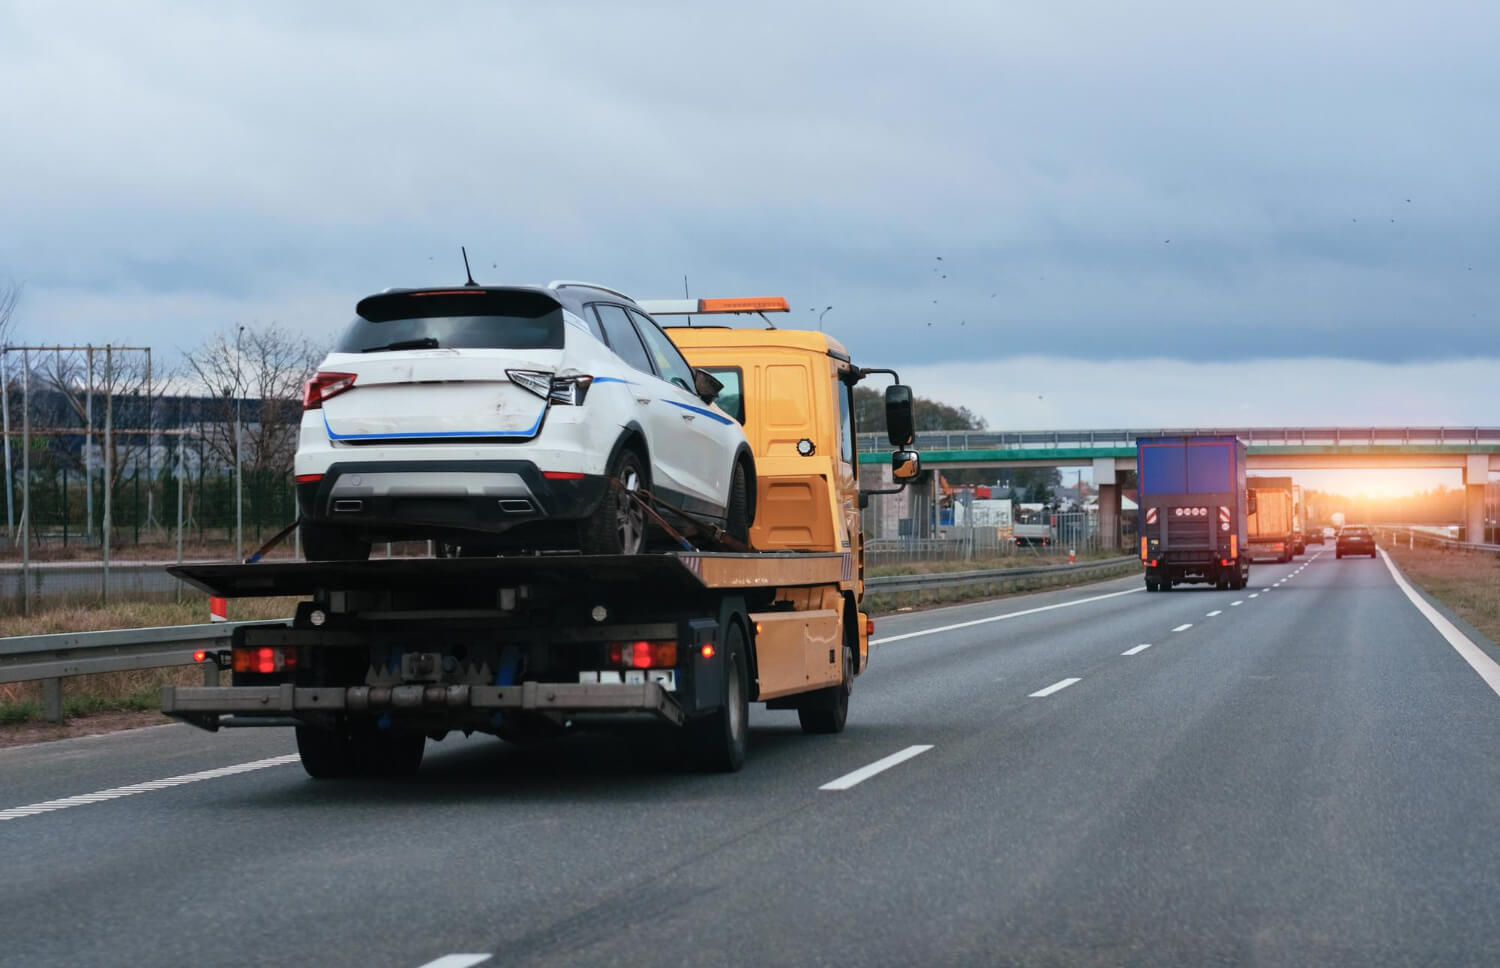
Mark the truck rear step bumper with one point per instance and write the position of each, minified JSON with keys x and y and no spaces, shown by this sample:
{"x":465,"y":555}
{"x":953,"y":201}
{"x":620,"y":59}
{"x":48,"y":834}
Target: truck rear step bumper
{"x":197,"y":703}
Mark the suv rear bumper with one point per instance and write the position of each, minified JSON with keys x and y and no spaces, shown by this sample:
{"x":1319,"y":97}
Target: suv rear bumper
{"x":418,"y":498}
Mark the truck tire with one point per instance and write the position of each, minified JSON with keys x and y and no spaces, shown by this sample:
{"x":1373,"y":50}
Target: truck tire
{"x":827,"y":710}
{"x":325,"y":542}
{"x":1222,"y":583}
{"x":1152,"y":585}
{"x":326,"y":754}
{"x":717,"y":742}
{"x":737,"y":517}
{"x":618,"y":525}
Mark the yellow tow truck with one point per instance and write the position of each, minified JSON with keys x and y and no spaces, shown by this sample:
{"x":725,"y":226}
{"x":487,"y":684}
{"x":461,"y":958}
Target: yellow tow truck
{"x":383,"y":654}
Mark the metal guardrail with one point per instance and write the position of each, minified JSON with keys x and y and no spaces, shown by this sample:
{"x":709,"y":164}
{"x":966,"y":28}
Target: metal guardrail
{"x":1252,"y":436}
{"x":49,"y":658}
{"x":1417,"y":536}
{"x":992,"y":576}
{"x":25,"y":658}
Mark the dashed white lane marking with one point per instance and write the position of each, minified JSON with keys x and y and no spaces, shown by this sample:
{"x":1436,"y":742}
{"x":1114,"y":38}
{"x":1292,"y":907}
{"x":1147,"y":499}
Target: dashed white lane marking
{"x":1183,"y":627}
{"x":879,"y":766}
{"x":1265,"y":589}
{"x":1001,"y":618}
{"x":1216,"y":612}
{"x":1472,"y":654}
{"x":457,"y":961}
{"x":1058,"y":686}
{"x":1138,"y":649}
{"x":116,"y":793}
{"x":1255,"y":594}
{"x":1240,"y":602}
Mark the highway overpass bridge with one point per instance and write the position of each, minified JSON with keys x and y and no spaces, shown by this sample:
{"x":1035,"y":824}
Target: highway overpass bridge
{"x":1475,"y":451}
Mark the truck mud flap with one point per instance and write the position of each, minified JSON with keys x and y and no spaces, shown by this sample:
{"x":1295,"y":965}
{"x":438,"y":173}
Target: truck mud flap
{"x":197,"y":704}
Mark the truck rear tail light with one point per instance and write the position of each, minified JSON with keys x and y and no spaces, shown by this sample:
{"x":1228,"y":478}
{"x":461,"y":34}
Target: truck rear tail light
{"x":325,"y":386}
{"x":869,"y":627}
{"x":643,"y":654}
{"x":1152,"y":562}
{"x":1225,"y":562}
{"x":707,"y":651}
{"x":265,"y":660}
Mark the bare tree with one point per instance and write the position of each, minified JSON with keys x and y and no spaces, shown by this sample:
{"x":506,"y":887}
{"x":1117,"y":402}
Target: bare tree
{"x":124,"y":384}
{"x":10,"y":297}
{"x":264,"y":367}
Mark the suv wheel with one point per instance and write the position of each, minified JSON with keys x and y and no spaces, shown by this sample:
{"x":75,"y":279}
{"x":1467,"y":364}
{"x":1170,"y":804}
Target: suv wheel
{"x":618,"y":525}
{"x":738,"y":517}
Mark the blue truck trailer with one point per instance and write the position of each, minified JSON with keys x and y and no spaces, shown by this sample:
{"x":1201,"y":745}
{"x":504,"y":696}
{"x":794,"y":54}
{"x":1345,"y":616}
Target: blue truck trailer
{"x":1194,"y":508}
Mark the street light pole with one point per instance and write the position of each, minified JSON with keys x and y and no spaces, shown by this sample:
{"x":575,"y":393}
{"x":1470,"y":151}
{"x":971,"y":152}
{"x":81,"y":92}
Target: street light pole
{"x":820,"y":317}
{"x":239,"y":483}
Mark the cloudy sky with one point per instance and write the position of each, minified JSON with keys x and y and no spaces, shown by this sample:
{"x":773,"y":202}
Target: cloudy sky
{"x":1147,"y":214}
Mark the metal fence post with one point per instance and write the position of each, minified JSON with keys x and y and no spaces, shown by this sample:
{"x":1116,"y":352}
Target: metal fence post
{"x":52,"y":700}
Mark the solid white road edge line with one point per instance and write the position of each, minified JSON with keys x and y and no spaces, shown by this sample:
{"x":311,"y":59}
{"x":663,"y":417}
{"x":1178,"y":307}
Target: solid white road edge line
{"x":1140,"y":648}
{"x":1184,"y":627}
{"x":457,"y":961}
{"x":1481,"y":663}
{"x":879,"y":766}
{"x":1001,"y":618}
{"x":1055,"y":687}
{"x":116,"y":793}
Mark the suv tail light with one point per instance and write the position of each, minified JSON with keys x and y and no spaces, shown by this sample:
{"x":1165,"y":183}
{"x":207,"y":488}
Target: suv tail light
{"x":325,"y":386}
{"x":569,"y":390}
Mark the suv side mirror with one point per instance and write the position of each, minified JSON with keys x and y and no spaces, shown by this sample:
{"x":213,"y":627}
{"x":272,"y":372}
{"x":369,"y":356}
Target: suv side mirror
{"x":898,"y":418}
{"x":905,"y":465}
{"x":706,"y":385}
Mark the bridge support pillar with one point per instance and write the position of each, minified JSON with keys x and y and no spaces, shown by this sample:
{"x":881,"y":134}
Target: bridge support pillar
{"x":1109,"y":502}
{"x":1476,"y":476}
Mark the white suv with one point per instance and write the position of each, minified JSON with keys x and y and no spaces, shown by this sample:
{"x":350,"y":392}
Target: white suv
{"x":494,"y":418}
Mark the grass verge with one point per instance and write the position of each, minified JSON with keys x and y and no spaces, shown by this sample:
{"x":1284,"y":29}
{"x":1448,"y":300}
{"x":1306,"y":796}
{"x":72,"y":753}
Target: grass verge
{"x":891,"y":602}
{"x":1468,"y":583}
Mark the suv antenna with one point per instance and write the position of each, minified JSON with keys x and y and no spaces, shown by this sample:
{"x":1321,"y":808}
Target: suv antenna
{"x":685,"y":294}
{"x":467,"y":271}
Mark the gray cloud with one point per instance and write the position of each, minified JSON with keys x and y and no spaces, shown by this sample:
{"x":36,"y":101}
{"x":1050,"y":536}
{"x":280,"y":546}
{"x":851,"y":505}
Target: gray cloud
{"x":174,"y":167}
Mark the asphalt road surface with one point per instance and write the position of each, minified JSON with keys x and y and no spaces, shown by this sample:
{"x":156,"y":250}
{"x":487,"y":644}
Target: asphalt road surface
{"x":1305,"y":772}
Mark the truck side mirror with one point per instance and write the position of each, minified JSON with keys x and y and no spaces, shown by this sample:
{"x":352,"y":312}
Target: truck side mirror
{"x":706,"y":385}
{"x":898,"y":418}
{"x":905,"y":465}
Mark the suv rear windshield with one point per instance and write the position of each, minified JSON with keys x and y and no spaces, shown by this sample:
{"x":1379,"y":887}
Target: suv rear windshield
{"x":462,"y":319}
{"x":1356,"y":529}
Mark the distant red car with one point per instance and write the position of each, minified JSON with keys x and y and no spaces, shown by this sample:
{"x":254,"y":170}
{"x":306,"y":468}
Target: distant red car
{"x":1354,"y":539}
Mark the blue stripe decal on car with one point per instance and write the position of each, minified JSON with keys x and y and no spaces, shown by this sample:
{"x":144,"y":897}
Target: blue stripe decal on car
{"x":438,"y":434}
{"x":613,"y":379}
{"x":707,"y":413}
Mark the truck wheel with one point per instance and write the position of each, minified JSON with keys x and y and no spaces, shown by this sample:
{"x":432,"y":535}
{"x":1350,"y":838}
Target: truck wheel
{"x":737,"y":521}
{"x":1222,"y":583}
{"x":326,"y":754}
{"x":325,"y":542}
{"x":718,"y":740}
{"x":1152,"y":585}
{"x":827,"y":710}
{"x":618,"y":525}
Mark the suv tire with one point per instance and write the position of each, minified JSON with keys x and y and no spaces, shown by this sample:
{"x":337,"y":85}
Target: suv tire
{"x":737,"y":520}
{"x":618,"y":525}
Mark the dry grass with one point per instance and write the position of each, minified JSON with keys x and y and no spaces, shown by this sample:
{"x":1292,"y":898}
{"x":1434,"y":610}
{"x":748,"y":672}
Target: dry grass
{"x":1019,"y":560}
{"x":886,"y":604}
{"x":1465,"y":582}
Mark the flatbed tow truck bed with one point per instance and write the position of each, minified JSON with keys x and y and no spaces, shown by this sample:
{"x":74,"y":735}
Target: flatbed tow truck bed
{"x":529,"y":644}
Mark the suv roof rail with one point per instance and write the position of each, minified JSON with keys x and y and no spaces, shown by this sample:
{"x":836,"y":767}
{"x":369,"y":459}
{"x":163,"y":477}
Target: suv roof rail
{"x":577,"y":284}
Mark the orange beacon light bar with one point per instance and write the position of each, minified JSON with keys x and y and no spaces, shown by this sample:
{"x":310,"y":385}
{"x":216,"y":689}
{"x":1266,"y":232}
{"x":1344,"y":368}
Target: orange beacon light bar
{"x":694,"y":307}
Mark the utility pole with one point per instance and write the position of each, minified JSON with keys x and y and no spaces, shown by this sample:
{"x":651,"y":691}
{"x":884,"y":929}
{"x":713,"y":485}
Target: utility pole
{"x":10,"y":511}
{"x":88,"y":446}
{"x":239,"y":486}
{"x":25,"y":482}
{"x":109,"y":457}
